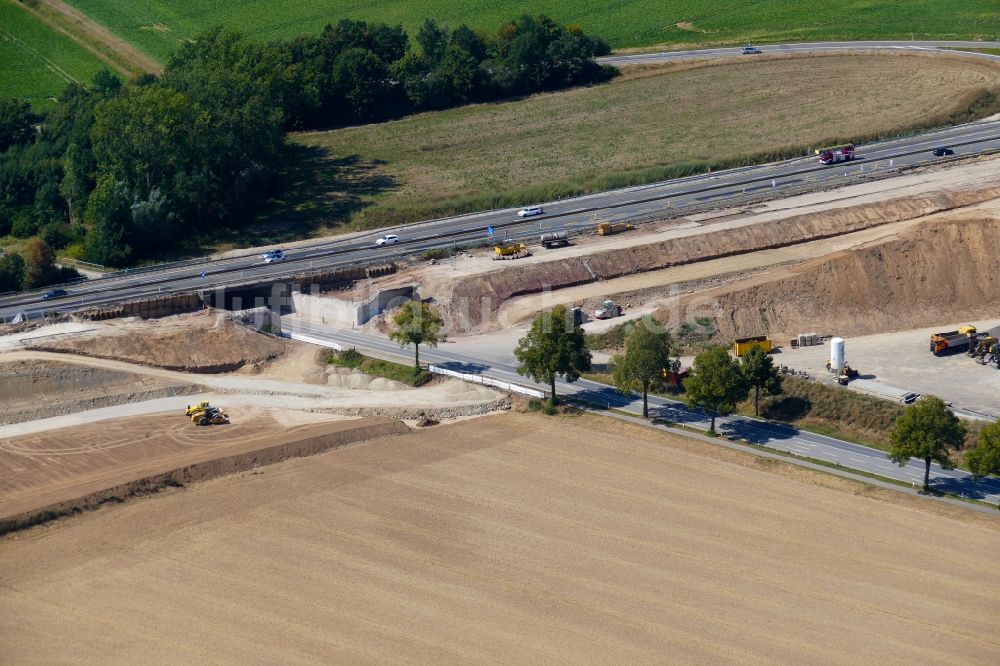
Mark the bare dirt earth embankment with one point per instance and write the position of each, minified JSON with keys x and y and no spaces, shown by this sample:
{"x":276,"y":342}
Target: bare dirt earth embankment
{"x":203,"y":342}
{"x":559,"y":540}
{"x":946,"y":269}
{"x":487,"y":300}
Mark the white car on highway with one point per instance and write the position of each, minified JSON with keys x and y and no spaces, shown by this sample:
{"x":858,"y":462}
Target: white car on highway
{"x":389,"y":239}
{"x":272,"y":256}
{"x":530,"y":211}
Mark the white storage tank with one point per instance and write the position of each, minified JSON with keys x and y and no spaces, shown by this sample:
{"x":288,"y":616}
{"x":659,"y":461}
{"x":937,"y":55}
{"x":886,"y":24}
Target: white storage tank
{"x":836,"y":353}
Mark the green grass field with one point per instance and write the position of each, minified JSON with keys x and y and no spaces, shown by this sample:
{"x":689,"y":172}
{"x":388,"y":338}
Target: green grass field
{"x":36,"y":62}
{"x":158,"y":27}
{"x":646,"y":125}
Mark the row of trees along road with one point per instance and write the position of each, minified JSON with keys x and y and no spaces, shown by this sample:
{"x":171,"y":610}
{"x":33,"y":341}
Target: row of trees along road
{"x":120,"y":172}
{"x":929,"y":431}
{"x":555,"y":346}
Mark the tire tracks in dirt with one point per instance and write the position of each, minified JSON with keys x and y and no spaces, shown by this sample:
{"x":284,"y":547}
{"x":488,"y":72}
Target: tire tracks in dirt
{"x":93,"y":36}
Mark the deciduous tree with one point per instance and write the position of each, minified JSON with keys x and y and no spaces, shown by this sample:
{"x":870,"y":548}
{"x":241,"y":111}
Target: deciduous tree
{"x":762,"y":376}
{"x":927,"y":430}
{"x":646,"y":360}
{"x":554,"y":346}
{"x":15,"y":123}
{"x":984,"y":457}
{"x":11,"y":272}
{"x":417,"y":324}
{"x":40,"y":264}
{"x":716,"y":383}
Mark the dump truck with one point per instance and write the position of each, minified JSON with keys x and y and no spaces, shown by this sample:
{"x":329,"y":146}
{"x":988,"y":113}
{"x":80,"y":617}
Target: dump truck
{"x":743,"y":345}
{"x":555,"y":239}
{"x":609,"y":310}
{"x":510,"y":251}
{"x":609,"y":228}
{"x":950,"y":342}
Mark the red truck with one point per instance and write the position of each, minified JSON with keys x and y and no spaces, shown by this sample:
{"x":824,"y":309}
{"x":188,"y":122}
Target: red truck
{"x":836,"y":154}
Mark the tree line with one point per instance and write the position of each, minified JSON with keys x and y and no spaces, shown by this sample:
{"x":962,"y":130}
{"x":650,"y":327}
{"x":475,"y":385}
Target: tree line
{"x":116,"y":173}
{"x":555,"y":347}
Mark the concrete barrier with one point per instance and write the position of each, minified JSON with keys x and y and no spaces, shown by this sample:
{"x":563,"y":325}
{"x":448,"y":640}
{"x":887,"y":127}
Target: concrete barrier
{"x":488,"y":381}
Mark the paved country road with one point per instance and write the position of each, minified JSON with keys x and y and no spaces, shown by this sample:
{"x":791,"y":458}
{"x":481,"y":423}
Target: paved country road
{"x":807,"y":47}
{"x":721,"y":189}
{"x":753,"y":431}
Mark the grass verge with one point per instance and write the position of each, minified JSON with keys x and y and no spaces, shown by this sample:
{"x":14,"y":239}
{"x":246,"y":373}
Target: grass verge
{"x":650,"y":124}
{"x":405,"y":374}
{"x":837,"y":412}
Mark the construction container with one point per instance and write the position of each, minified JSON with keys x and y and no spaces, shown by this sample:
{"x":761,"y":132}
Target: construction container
{"x":743,"y":345}
{"x":837,"y":354}
{"x":809,"y":339}
{"x":510,"y":251}
{"x":609,"y":228}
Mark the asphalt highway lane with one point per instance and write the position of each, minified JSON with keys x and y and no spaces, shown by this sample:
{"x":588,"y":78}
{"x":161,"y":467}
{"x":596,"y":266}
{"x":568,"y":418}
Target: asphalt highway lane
{"x":675,"y":197}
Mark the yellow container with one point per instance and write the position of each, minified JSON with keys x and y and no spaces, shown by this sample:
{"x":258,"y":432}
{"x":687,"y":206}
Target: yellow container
{"x":743,"y":345}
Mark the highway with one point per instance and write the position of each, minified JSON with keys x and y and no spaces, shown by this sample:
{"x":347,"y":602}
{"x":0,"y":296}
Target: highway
{"x":674,"y":197}
{"x":750,"y":430}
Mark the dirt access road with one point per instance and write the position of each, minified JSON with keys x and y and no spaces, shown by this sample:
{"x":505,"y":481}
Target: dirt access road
{"x":517,"y":539}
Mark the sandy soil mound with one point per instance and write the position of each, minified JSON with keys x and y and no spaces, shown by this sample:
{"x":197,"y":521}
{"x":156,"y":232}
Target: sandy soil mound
{"x":943,"y":270}
{"x":39,"y":389}
{"x":474,"y":300}
{"x":202,"y":343}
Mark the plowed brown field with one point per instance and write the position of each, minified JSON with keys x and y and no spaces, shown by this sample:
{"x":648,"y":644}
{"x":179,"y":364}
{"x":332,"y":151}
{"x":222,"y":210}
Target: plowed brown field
{"x":70,"y":467}
{"x":514,"y":539}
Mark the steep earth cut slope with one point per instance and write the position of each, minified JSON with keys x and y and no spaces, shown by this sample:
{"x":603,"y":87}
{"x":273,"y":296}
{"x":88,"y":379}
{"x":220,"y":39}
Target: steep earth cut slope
{"x":472,"y":301}
{"x":943,"y":270}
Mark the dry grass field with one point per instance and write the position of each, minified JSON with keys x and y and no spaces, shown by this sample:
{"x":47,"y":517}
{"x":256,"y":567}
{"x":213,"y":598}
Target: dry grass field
{"x":515,"y":539}
{"x":649,"y":124}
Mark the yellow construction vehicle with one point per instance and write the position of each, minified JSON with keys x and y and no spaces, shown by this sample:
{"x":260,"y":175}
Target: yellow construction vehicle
{"x":982,"y":349}
{"x":609,"y":228}
{"x":204,"y":414}
{"x":846,"y":373}
{"x":511,"y":251}
{"x":200,"y":407}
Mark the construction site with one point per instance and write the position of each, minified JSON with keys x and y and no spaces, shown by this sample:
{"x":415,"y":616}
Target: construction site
{"x":175,"y":428}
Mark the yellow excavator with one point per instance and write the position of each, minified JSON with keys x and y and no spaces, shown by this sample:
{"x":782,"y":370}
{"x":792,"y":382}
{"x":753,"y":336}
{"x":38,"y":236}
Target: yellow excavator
{"x":204,"y":414}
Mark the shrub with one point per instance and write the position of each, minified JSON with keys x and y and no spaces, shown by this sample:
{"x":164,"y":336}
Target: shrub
{"x":437,"y":253}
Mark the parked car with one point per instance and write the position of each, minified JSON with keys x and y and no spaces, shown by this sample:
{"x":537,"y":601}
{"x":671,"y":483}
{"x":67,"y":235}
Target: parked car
{"x":55,"y":293}
{"x":389,"y":239}
{"x":272,"y":256}
{"x":942,"y":151}
{"x":530,"y":211}
{"x":750,"y":50}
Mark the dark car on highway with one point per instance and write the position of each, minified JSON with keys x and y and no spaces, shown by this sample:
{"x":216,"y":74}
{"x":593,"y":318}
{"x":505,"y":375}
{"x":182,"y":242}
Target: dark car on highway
{"x":942,"y":151}
{"x":55,"y":293}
